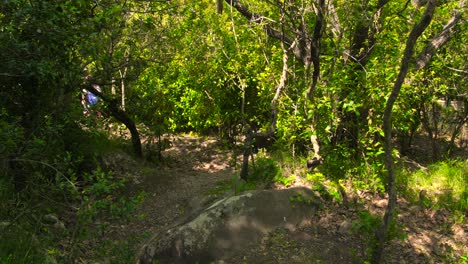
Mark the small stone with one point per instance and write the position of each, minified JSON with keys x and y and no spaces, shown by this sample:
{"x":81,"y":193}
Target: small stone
{"x":415,"y":209}
{"x":50,"y":219}
{"x":381,"y":203}
{"x":59,"y":226}
{"x":345,"y":227}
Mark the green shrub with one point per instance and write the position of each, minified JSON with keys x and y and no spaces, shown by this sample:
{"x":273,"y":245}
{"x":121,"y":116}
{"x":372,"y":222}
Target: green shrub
{"x":368,"y":223}
{"x":326,"y":188}
{"x":264,"y":169}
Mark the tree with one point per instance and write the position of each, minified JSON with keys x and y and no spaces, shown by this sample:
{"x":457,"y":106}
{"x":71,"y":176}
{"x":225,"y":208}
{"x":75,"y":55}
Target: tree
{"x":420,"y":62}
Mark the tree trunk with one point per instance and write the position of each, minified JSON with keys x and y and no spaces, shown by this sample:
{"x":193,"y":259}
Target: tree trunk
{"x":381,"y":232}
{"x":219,"y":6}
{"x":352,"y":123}
{"x":259,"y":140}
{"x":247,"y":151}
{"x":122,"y":86}
{"x":120,"y":115}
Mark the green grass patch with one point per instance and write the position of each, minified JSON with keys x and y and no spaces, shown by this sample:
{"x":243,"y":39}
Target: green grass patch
{"x":264,"y":169}
{"x":443,"y":184}
{"x":234,"y":184}
{"x":19,"y":245}
{"x":327,"y":188}
{"x":367,"y":223}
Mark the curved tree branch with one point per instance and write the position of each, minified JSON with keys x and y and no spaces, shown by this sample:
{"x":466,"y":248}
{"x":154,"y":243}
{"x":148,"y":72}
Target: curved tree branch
{"x":121,"y":116}
{"x":258,"y":19}
{"x":438,"y":41}
{"x":301,"y":49}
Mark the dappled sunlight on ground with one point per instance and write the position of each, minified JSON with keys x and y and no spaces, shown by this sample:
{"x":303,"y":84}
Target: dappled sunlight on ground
{"x":202,"y":154}
{"x":194,"y":166}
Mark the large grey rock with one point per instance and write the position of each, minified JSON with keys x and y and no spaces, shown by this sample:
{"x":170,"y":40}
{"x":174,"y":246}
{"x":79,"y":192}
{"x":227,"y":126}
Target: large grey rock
{"x":230,"y":225}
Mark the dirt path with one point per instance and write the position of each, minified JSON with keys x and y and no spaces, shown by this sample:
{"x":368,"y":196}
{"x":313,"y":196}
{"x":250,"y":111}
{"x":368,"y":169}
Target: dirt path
{"x":191,"y":167}
{"x":194,"y":167}
{"x":338,"y":234}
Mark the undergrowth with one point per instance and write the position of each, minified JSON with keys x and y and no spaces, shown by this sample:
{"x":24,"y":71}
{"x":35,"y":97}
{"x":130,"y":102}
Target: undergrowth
{"x":52,"y":204}
{"x":441,"y":185}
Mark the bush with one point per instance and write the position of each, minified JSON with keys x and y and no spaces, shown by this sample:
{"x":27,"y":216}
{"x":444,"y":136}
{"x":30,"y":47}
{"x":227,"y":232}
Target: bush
{"x":264,"y":169}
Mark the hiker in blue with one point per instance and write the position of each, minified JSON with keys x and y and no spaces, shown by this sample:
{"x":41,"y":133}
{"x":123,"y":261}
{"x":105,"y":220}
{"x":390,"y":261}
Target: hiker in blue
{"x":91,"y":98}
{"x":88,"y":99}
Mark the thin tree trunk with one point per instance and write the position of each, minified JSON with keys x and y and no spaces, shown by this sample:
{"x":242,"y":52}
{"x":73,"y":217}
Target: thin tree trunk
{"x":121,"y":115}
{"x":113,"y":86}
{"x":316,"y":46}
{"x":122,"y":86}
{"x":251,"y":136}
{"x":351,"y":123}
{"x":279,"y":89}
{"x":381,"y":232}
{"x":219,"y":6}
{"x":244,"y":173}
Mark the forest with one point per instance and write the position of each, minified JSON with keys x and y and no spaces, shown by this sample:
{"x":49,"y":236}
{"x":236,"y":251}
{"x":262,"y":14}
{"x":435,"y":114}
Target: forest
{"x":118,"y":116}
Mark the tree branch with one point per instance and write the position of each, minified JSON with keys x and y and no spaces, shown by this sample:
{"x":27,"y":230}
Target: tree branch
{"x":6,"y":74}
{"x":302,"y":46}
{"x":260,"y":20}
{"x":121,"y":116}
{"x":316,"y":46}
{"x":438,"y":41}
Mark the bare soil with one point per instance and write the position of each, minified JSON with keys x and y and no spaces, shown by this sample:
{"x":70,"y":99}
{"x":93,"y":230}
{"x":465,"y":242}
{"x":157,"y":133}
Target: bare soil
{"x":193,"y":167}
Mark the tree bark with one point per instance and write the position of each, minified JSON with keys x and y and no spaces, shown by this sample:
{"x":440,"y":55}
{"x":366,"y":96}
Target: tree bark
{"x":219,"y":6}
{"x":381,"y":232}
{"x":247,"y":151}
{"x":279,"y":89}
{"x":122,"y":86}
{"x":316,"y":47}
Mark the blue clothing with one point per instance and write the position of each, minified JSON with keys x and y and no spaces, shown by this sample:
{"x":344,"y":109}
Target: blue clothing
{"x":91,"y":98}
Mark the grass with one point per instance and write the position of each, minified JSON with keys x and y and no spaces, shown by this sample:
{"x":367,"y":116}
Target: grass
{"x":442,"y":184}
{"x":19,"y":246}
{"x":327,"y":188}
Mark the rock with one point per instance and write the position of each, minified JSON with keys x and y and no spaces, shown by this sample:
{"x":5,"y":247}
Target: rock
{"x":345,"y":227}
{"x":4,"y":225}
{"x":53,"y":220}
{"x":50,"y":219}
{"x":382,"y":203}
{"x":230,"y":226}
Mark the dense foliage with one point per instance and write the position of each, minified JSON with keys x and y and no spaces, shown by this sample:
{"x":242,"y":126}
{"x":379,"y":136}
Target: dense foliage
{"x":180,"y":66}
